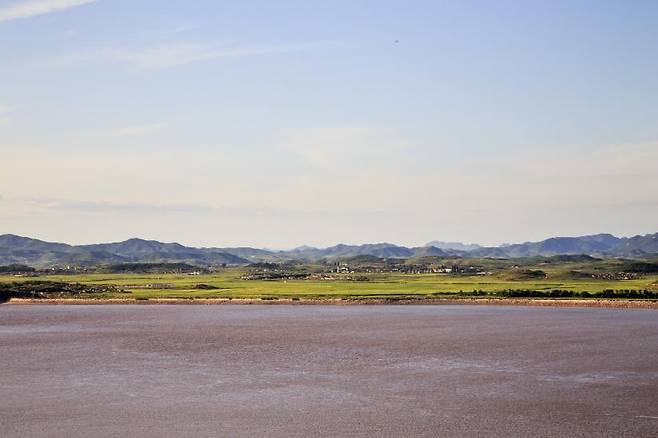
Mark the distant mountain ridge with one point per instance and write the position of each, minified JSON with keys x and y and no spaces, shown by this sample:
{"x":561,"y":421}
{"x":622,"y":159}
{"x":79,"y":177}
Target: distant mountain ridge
{"x":599,"y":244}
{"x":453,"y":245}
{"x":37,"y":253}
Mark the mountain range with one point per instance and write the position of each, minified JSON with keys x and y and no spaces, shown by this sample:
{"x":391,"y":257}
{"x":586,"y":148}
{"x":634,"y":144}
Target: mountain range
{"x":37,"y":253}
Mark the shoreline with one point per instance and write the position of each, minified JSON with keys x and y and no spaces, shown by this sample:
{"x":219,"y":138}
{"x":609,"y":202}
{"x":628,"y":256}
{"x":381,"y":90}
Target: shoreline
{"x":548,"y":302}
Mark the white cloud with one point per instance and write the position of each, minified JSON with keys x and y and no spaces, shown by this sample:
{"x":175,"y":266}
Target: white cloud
{"x":140,"y":129}
{"x":28,"y":9}
{"x":175,"y":54}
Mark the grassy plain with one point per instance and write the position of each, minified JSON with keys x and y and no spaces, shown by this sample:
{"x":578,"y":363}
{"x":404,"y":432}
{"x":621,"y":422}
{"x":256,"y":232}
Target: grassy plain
{"x":228,"y":284}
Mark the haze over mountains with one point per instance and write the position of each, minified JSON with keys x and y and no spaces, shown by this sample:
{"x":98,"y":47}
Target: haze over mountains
{"x":453,"y":245}
{"x":24,"y":250}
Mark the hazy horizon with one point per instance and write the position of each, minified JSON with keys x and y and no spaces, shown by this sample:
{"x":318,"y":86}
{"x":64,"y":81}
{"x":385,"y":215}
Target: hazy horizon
{"x":275,"y":125}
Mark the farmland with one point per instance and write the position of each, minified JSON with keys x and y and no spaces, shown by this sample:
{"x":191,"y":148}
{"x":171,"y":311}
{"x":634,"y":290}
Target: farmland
{"x":234,"y":283}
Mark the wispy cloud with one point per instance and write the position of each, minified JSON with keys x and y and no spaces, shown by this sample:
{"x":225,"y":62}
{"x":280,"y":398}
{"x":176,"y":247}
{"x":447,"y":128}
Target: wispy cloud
{"x":173,"y":54}
{"x":147,"y":207}
{"x":333,"y":145}
{"x":116,"y":207}
{"x":33,"y":8}
{"x":180,"y":29}
{"x":5,"y":112}
{"x":139,"y":129}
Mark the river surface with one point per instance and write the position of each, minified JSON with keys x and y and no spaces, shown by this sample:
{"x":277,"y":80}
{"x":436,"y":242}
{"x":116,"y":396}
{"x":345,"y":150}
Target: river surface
{"x":300,"y":371}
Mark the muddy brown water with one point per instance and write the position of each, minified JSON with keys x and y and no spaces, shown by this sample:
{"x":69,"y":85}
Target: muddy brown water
{"x":299,"y":371}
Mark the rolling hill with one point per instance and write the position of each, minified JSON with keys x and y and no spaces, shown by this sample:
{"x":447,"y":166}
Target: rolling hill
{"x":37,"y":253}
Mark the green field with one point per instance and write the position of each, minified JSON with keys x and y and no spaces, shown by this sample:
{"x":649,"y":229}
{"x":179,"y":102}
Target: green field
{"x":228,"y":284}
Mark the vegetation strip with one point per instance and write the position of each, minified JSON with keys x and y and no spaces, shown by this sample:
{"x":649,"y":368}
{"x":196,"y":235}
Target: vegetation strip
{"x":607,"y":303}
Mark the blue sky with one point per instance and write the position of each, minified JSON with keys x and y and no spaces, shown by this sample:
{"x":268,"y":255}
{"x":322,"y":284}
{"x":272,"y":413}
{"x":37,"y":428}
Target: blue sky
{"x":286,"y":123}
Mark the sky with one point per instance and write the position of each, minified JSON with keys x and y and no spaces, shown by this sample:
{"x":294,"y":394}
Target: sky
{"x":278,"y":124}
